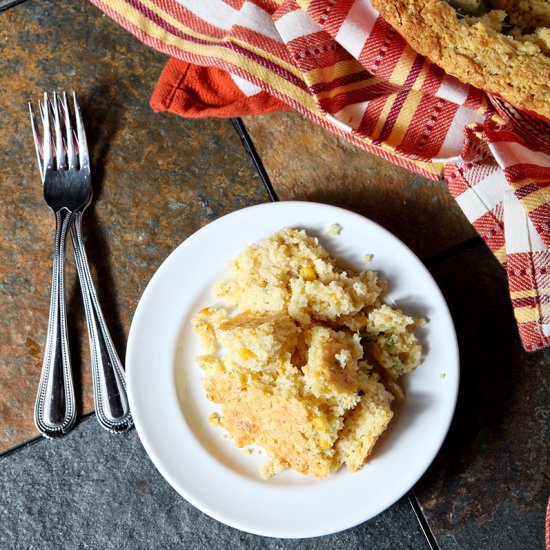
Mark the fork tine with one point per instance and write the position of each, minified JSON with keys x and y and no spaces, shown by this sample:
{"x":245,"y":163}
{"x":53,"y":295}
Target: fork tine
{"x":69,"y":139}
{"x":59,"y":149}
{"x":64,"y":111}
{"x":82,"y":143}
{"x":47,"y":141}
{"x":52,"y":120}
{"x":38,"y":146}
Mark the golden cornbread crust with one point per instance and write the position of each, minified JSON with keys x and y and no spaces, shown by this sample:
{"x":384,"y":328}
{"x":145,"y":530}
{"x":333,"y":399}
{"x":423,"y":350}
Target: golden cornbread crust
{"x":514,"y":66}
{"x":308,"y":365}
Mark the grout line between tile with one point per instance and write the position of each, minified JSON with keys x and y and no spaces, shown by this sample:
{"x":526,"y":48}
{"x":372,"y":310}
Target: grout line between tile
{"x":453,"y":251}
{"x":36,"y":439}
{"x":251,"y":150}
{"x":6,"y":4}
{"x":21,"y":446}
{"x":423,"y":522}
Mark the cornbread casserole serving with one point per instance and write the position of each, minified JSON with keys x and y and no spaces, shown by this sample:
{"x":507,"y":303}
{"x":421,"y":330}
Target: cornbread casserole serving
{"x":500,"y":46}
{"x":305,"y":357}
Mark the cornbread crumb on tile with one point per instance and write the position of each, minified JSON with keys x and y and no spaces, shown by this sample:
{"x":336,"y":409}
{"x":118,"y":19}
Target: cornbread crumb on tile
{"x":307,"y":366}
{"x":334,"y":229}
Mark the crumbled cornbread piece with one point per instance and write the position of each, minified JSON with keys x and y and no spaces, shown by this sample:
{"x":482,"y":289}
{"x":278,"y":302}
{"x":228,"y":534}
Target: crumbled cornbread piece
{"x":364,"y":424}
{"x":204,"y":323}
{"x":331,"y":368}
{"x":273,"y":467}
{"x":255,"y":341}
{"x":290,"y":370}
{"x":269,"y":277}
{"x":469,"y":6}
{"x":279,"y":421}
{"x":392,"y":342}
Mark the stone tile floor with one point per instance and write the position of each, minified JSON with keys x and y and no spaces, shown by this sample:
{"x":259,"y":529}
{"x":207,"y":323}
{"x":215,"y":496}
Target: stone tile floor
{"x":157,"y":180}
{"x":109,"y":495}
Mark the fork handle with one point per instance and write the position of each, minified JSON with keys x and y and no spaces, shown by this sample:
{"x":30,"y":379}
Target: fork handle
{"x":55,"y":408}
{"x":110,"y":397}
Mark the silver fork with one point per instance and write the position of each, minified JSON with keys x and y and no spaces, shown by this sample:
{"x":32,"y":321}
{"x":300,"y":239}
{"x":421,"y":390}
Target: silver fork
{"x":55,"y":408}
{"x":72,"y":185}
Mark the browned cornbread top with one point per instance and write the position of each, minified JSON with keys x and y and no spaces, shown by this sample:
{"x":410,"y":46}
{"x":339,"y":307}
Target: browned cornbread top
{"x":515,"y":66}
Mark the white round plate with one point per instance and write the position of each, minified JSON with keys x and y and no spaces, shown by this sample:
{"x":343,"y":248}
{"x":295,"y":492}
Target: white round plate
{"x":170,"y":408}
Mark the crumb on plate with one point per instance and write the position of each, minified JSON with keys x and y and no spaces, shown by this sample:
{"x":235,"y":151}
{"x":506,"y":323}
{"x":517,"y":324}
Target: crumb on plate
{"x":334,"y":229}
{"x":214,"y":420}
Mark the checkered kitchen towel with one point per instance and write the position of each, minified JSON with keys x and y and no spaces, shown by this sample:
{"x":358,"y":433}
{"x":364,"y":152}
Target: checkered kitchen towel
{"x":340,"y":64}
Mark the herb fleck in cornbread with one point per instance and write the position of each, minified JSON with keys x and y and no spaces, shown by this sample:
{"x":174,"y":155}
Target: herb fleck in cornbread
{"x":308,"y":367}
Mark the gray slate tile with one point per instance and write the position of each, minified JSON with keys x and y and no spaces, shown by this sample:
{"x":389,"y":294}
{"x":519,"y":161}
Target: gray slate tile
{"x":99,"y":491}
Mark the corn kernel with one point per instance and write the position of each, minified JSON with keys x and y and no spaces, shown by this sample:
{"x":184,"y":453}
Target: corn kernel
{"x":319,"y":423}
{"x":324,"y":444}
{"x":205,"y":311}
{"x":247,"y":354}
{"x":307,"y":273}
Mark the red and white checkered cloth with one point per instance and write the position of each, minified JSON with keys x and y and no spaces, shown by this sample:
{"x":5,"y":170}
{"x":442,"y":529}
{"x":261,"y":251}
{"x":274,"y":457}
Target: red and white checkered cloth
{"x":339,"y":63}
